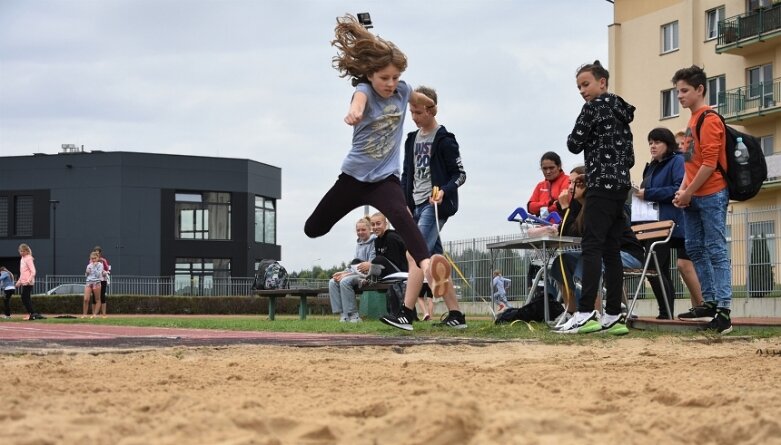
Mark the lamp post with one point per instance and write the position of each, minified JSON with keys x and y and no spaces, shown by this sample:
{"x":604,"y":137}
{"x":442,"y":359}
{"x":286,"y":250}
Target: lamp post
{"x":53,"y":203}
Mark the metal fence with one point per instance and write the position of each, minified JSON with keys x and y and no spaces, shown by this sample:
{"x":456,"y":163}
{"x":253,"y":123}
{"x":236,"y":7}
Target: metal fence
{"x":753,"y":244}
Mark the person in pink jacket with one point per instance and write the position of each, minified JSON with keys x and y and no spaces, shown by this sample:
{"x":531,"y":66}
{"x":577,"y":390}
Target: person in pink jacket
{"x":26,"y":280}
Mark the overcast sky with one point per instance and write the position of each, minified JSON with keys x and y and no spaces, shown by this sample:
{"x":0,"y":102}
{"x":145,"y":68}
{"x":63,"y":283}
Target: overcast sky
{"x":253,"y":79}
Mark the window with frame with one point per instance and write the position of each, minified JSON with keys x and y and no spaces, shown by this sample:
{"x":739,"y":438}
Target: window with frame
{"x":767,"y":144}
{"x":754,"y":5}
{"x":203,"y":215}
{"x":670,"y":103}
{"x":712,"y":19}
{"x":23,"y":216}
{"x":716,"y":90}
{"x":265,"y":220}
{"x":201,"y":276}
{"x":760,"y":83}
{"x":4,"y":211}
{"x":670,"y":37}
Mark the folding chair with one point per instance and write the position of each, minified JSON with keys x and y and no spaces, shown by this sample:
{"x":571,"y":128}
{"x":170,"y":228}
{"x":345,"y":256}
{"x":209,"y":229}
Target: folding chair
{"x":660,"y":231}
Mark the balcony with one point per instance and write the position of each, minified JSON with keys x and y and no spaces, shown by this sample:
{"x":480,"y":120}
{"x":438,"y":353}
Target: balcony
{"x":740,"y":34}
{"x":753,"y":102}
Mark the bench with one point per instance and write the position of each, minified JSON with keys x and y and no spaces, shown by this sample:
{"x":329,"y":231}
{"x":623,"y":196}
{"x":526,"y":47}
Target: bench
{"x":304,"y":293}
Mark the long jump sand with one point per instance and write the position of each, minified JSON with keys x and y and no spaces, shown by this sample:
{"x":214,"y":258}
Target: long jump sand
{"x":633,"y":391}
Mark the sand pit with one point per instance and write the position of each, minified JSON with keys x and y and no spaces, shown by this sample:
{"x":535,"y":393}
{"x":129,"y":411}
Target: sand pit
{"x":626,"y":391}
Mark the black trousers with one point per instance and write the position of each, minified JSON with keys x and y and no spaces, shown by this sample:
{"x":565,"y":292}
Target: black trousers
{"x":27,"y":300}
{"x":8,"y":294}
{"x":603,"y":224}
{"x":386,"y":196}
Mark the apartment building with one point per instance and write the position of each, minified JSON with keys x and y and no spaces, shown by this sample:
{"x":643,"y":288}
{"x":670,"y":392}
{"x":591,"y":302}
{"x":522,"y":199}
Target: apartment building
{"x":738,"y":43}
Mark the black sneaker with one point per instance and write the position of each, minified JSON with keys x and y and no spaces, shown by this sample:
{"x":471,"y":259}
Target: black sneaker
{"x":706,"y":312}
{"x":453,"y":319}
{"x":721,"y":323}
{"x":402,"y":320}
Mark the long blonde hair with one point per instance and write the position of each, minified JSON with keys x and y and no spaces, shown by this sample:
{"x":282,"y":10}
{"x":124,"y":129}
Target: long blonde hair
{"x":360,"y":53}
{"x":25,"y":248}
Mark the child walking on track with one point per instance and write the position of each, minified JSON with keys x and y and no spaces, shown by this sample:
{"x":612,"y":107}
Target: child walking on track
{"x":371,"y":170}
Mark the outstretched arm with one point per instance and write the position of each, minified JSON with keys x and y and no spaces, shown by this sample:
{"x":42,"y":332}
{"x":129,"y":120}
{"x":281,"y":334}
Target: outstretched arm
{"x":357,"y":106}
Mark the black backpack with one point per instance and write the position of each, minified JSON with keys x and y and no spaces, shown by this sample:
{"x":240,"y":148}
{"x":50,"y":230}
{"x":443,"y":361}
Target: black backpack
{"x":270,"y":275}
{"x":534,"y":311}
{"x":756,"y":167}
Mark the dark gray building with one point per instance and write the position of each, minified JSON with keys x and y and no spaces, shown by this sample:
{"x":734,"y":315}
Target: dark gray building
{"x":153,"y":214}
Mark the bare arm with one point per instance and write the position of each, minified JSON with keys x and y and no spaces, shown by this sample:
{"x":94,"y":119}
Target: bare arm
{"x":357,"y":106}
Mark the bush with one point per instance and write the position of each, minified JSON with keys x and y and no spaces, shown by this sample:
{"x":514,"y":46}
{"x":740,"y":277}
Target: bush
{"x":173,"y":305}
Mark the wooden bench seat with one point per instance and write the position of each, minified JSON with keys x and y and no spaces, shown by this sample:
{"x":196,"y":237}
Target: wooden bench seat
{"x":303,"y":294}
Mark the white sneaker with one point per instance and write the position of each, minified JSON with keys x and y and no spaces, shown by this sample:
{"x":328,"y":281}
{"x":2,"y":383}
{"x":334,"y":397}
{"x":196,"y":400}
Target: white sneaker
{"x":343,"y":318}
{"x":581,"y":323}
{"x":609,"y":320}
{"x":354,"y":318}
{"x":562,"y":319}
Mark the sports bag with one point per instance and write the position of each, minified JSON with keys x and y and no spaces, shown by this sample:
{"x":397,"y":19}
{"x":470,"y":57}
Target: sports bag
{"x":756,"y":168}
{"x":271,"y":275}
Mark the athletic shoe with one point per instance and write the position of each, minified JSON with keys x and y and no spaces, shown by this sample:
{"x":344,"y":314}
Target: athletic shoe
{"x":426,"y":317}
{"x":354,"y":318}
{"x":706,"y":312}
{"x":342,"y":319}
{"x":581,"y":323}
{"x":439,"y":272}
{"x":721,"y":323}
{"x":402,"y":319}
{"x":6,"y":317}
{"x":614,"y":324}
{"x":453,"y":319}
{"x":562,"y":319}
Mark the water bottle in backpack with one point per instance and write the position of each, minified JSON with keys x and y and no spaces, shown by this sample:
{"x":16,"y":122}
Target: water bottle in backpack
{"x":742,"y":158}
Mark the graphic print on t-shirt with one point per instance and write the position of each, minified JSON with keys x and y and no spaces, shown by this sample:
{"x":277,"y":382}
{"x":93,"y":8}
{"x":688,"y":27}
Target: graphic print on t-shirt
{"x":422,"y":158}
{"x":381,"y":142}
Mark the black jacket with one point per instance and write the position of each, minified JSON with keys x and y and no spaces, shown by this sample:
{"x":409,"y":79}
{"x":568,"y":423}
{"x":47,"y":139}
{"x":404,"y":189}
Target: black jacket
{"x":447,"y":171}
{"x":602,"y":131}
{"x":392,"y":247}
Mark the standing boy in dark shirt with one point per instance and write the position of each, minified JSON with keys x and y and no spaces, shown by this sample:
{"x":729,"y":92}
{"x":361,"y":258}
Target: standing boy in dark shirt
{"x":602,"y":132}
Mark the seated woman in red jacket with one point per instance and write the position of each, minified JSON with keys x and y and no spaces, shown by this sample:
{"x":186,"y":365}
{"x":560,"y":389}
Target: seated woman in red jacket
{"x":546,"y":193}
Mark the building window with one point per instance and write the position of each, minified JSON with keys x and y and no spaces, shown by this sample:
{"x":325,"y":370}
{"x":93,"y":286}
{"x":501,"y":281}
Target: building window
{"x":712,"y":19}
{"x":265,"y":220}
{"x":4,"y":216}
{"x":23,"y":216}
{"x":201,"y":276}
{"x":755,"y":5}
{"x":669,"y":37}
{"x":767,"y":145}
{"x":669,"y":103}
{"x":716,"y":88}
{"x":760,"y":84}
{"x":203,"y":216}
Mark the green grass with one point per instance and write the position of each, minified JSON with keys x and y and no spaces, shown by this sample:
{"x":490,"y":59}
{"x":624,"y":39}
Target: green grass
{"x":478,"y":328}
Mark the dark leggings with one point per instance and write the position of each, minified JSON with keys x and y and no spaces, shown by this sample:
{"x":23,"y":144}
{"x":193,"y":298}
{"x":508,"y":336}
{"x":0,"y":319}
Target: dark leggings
{"x":27,"y":301}
{"x":8,"y":294}
{"x":386,"y":196}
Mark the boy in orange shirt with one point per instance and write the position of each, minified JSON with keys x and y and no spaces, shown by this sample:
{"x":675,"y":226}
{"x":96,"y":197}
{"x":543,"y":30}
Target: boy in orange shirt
{"x":704,"y":197}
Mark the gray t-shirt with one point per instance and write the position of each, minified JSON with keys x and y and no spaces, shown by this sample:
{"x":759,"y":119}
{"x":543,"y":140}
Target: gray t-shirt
{"x":376,"y":153}
{"x":421,"y":188}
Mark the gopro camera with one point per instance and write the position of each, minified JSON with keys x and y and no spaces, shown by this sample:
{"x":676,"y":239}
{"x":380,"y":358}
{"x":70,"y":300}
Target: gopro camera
{"x":365,"y":19}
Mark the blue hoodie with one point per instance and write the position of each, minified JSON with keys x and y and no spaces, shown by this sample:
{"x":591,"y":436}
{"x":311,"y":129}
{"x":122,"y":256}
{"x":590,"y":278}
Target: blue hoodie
{"x":447,"y":171}
{"x":661,"y":179}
